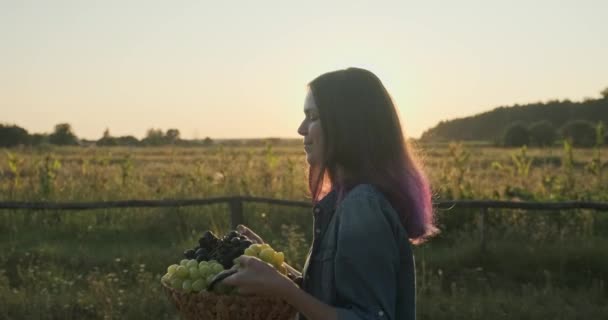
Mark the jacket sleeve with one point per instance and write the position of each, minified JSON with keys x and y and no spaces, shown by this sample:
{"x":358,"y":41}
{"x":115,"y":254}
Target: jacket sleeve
{"x":366,"y":261}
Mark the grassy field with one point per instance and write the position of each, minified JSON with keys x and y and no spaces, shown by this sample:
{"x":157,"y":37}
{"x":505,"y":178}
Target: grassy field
{"x":106,"y":264}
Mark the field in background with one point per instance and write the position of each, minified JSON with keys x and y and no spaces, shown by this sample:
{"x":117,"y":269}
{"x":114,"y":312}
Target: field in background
{"x":106,"y":264}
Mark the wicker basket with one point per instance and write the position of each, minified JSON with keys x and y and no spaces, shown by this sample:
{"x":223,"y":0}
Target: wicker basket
{"x":211,"y":306}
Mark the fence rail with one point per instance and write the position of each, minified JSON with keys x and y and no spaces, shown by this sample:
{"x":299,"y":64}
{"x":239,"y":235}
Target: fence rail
{"x":236,"y":206}
{"x":466,"y":204}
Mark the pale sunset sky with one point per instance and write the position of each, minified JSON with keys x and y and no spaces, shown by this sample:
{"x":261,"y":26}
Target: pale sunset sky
{"x":239,"y":69}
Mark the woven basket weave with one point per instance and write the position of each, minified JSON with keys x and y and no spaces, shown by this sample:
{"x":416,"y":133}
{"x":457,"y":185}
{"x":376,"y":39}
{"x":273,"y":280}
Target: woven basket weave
{"x":211,"y":306}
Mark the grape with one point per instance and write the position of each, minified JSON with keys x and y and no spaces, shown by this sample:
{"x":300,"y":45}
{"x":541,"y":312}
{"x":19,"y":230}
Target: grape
{"x":282,"y":269}
{"x":204,"y":269}
{"x":208,"y":240}
{"x":189,"y":254}
{"x":201,"y":254}
{"x":209,"y":235}
{"x":217,"y":268}
{"x":182,"y":272}
{"x":192,"y":263}
{"x":176,"y":283}
{"x":279,"y":258}
{"x":267,"y":255}
{"x":199,"y":285}
{"x":256,"y":248}
{"x":171,"y":269}
{"x":194,"y":273}
{"x":214,"y":255}
{"x":223,"y":250}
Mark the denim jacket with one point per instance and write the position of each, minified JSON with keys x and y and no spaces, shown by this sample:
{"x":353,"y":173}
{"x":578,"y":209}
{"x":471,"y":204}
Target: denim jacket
{"x":361,"y":261}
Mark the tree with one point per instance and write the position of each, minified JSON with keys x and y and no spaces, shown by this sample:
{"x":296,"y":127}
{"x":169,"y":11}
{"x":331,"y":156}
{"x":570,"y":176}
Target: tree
{"x":13,"y":135}
{"x":516,"y":135}
{"x":106,"y":139}
{"x":172,"y":136}
{"x":604,"y":93}
{"x":208,"y":141}
{"x":543,"y":133}
{"x":63,"y":135}
{"x":154,"y":137}
{"x":579,"y":132}
{"x":127,"y":141}
{"x":37,"y":139}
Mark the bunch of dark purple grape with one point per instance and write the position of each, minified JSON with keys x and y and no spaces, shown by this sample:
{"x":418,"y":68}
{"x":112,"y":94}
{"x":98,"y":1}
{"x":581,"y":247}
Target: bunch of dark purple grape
{"x":224,"y":250}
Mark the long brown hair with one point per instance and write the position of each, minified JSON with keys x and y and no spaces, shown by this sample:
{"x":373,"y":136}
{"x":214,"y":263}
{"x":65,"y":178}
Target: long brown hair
{"x":364,"y":143}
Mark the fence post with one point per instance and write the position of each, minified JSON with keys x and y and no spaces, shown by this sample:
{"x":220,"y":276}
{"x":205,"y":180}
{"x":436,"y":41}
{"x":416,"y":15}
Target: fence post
{"x":236,"y":212}
{"x":559,"y":225}
{"x":482,"y":231}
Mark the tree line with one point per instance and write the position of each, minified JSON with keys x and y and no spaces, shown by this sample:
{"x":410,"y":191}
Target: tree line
{"x":531,"y":124}
{"x":578,"y":133}
{"x":63,"y":135}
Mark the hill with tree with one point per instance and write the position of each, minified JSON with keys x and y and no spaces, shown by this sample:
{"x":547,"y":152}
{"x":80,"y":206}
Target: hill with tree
{"x":535,"y":123}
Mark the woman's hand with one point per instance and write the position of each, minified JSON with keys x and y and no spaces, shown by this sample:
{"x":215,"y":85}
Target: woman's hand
{"x":249,"y":234}
{"x":258,"y":277}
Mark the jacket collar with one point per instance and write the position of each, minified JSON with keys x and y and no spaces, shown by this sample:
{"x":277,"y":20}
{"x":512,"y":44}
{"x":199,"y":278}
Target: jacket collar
{"x":327,"y":204}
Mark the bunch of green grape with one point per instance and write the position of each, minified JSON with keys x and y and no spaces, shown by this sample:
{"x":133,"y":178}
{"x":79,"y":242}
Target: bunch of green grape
{"x":267,"y":254}
{"x":190,"y":275}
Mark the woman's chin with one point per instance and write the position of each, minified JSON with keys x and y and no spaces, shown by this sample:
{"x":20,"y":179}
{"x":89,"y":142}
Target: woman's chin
{"x":309,"y":159}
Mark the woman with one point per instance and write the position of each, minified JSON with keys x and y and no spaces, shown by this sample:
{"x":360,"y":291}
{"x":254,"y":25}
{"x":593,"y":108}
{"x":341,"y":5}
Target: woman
{"x":371,"y":200}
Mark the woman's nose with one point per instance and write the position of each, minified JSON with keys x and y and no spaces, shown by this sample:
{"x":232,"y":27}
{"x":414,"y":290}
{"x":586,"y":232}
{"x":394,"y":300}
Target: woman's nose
{"x":303,"y":129}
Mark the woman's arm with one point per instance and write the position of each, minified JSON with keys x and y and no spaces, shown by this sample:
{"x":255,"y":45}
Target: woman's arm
{"x":311,"y":307}
{"x":367,"y":260}
{"x":257,"y":277}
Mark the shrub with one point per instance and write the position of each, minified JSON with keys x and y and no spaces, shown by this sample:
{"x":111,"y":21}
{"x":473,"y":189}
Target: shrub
{"x":579,"y":132}
{"x":516,"y":135}
{"x":542,"y":133}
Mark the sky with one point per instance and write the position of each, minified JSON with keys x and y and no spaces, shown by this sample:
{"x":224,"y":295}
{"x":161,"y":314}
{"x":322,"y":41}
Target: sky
{"x":239,"y":69}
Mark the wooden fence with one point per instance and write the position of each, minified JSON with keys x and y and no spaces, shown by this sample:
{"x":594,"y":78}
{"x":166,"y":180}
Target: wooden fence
{"x":236,"y":206}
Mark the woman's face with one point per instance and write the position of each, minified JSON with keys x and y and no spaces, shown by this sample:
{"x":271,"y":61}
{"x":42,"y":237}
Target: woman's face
{"x":311,"y":130}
